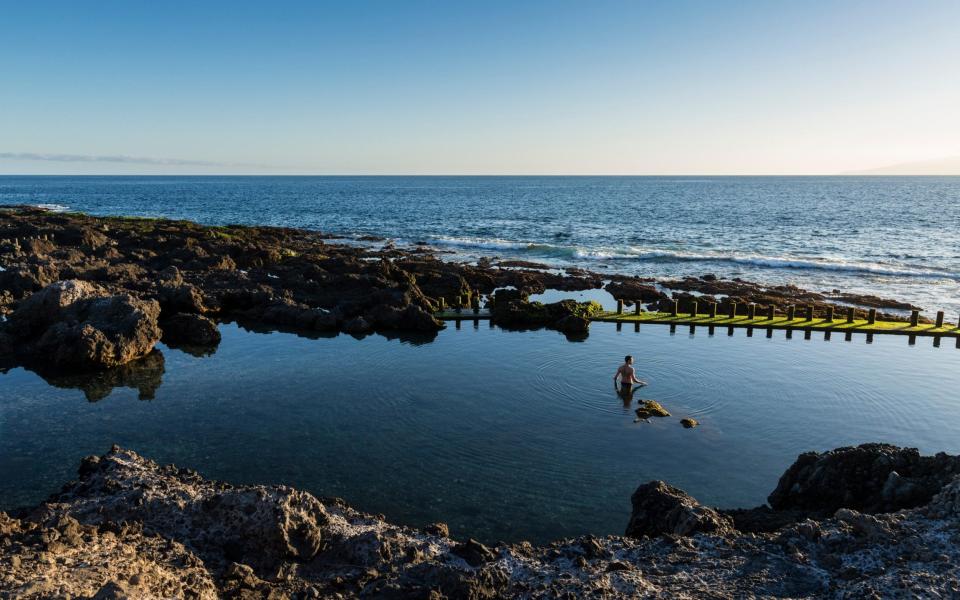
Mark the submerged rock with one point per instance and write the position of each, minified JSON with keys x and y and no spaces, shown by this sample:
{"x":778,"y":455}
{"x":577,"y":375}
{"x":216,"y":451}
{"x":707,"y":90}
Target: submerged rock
{"x":689,"y":423}
{"x":651,"y":408}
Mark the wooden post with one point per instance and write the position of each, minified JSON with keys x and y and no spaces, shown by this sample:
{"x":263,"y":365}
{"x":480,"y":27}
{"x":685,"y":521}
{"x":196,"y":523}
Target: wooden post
{"x":693,"y":308}
{"x":771,"y":312}
{"x":914,"y":318}
{"x":872,"y":316}
{"x":791,"y":312}
{"x":939,"y":318}
{"x":619,"y":307}
{"x":476,"y":304}
{"x":912,"y":340}
{"x":443,"y":303}
{"x":675,"y":308}
{"x":851,"y":313}
{"x":713,"y":310}
{"x":809,"y":312}
{"x":807,"y":333}
{"x":751,"y":311}
{"x":733,"y":310}
{"x":829,"y":314}
{"x":636,"y":308}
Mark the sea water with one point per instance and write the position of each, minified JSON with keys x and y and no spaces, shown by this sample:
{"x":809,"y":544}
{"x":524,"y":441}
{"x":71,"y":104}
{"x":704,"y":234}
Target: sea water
{"x":891,"y":236}
{"x":503,"y":435}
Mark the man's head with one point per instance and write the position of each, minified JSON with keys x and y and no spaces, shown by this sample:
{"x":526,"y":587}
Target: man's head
{"x":628,"y":359}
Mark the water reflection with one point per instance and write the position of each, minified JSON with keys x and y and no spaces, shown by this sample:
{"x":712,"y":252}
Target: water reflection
{"x":144,"y":375}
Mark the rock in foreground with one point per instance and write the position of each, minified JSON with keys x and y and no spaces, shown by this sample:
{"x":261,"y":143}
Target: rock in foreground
{"x":131,"y":528}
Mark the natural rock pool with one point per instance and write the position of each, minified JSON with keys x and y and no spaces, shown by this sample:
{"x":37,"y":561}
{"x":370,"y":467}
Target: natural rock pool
{"x":503,"y":435}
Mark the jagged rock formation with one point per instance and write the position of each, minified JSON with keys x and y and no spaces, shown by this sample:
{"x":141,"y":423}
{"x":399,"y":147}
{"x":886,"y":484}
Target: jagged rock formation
{"x":131,"y":528}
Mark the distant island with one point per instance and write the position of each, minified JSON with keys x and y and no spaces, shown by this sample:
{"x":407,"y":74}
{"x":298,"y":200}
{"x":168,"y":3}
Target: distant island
{"x":940,"y":166}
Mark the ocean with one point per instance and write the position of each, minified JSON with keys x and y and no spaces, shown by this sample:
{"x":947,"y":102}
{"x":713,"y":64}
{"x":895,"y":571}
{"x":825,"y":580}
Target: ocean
{"x":890,"y":236}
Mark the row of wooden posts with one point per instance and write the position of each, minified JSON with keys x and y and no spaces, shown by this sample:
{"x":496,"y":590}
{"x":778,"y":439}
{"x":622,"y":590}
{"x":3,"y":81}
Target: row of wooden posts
{"x":464,"y":301}
{"x":17,"y":242}
{"x":771,"y":311}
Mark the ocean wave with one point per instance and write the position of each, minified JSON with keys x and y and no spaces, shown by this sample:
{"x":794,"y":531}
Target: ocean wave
{"x":633,"y":253}
{"x":783,"y":262}
{"x":488,"y":243}
{"x":53,"y":207}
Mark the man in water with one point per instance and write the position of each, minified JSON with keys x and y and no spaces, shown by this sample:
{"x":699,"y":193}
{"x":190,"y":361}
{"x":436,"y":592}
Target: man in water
{"x":628,"y":377}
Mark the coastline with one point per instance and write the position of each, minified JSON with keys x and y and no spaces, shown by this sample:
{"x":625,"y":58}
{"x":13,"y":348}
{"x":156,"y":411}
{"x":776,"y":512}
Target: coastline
{"x":172,"y":279}
{"x":853,"y":522}
{"x":92,"y":296}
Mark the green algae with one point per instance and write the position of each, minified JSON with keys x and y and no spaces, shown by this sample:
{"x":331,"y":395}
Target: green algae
{"x":651,"y":408}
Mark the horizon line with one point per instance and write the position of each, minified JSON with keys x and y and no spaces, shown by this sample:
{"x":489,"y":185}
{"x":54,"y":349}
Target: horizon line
{"x":842,"y":174}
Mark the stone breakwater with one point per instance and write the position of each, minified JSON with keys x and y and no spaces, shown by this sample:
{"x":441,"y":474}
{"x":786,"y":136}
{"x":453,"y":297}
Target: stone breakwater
{"x":84,"y":293}
{"x":128,"y":527}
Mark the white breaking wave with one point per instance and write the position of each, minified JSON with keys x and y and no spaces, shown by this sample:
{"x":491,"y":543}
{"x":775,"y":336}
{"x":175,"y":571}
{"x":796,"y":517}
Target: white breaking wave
{"x":54,"y":207}
{"x":633,"y":253}
{"x":783,"y":262}
{"x":491,"y":244}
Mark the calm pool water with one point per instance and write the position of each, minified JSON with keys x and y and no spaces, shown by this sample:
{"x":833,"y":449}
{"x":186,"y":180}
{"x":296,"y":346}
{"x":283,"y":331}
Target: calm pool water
{"x":503,"y":435}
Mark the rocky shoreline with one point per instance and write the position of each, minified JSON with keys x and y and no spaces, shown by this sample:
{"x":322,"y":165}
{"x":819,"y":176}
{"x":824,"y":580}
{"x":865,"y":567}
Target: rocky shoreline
{"x":81,"y":294}
{"x":128,"y":527}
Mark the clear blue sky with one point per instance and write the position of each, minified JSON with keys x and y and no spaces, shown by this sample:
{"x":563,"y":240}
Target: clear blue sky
{"x":483,"y":87}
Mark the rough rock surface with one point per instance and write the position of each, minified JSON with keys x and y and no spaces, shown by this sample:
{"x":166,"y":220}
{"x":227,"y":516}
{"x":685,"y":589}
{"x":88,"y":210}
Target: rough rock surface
{"x":131,"y":528}
{"x":75,"y":325}
{"x":870,"y":477}
{"x":189,"y":329}
{"x":299,"y":278}
{"x":659,"y":508}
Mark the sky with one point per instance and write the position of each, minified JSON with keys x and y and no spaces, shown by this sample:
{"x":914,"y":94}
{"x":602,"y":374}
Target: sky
{"x":553,"y":87}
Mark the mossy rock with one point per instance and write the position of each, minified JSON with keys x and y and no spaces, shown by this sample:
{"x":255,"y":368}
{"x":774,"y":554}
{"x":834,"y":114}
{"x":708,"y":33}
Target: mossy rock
{"x":689,"y":423}
{"x":651,"y":408}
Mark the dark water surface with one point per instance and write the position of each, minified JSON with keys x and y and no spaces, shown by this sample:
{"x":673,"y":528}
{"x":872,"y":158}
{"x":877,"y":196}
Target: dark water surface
{"x":504,"y":435}
{"x":892,"y":236}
